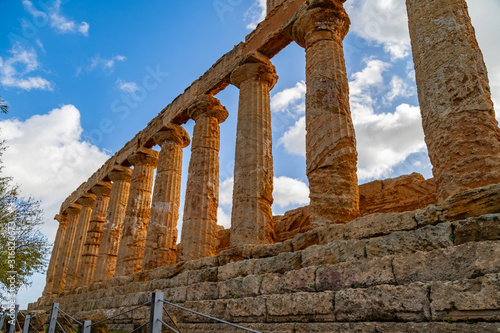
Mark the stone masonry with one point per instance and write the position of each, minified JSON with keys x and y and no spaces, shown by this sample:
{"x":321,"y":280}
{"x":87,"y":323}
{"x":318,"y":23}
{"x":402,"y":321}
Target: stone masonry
{"x":396,"y":255}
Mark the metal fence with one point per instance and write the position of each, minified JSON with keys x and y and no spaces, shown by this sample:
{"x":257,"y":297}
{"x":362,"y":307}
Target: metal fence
{"x":158,"y":307}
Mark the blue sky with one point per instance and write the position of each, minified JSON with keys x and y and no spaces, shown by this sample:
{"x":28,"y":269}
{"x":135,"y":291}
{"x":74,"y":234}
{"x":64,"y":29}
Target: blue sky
{"x":81,"y":78}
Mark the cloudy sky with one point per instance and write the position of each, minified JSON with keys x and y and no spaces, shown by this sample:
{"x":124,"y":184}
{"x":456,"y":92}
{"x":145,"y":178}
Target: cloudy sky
{"x":76,"y":76}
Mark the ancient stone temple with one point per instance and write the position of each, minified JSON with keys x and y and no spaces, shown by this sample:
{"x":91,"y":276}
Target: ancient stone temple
{"x":395,"y":255}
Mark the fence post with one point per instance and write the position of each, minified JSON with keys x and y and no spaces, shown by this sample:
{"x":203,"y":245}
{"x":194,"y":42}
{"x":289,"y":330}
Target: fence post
{"x":87,"y":326}
{"x":155,"y":317}
{"x":13,"y":327}
{"x":2,"y":320}
{"x":53,"y":318}
{"x":26,"y":326}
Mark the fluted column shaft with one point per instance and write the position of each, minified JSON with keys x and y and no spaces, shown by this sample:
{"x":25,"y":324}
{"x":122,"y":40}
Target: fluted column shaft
{"x":135,"y":224}
{"x":56,"y":253}
{"x":162,"y":230}
{"x":461,"y":132}
{"x":112,"y":228}
{"x":67,"y":245}
{"x":251,"y":220}
{"x":199,"y":227}
{"x":331,"y":155}
{"x":87,"y":202}
{"x":94,"y":234}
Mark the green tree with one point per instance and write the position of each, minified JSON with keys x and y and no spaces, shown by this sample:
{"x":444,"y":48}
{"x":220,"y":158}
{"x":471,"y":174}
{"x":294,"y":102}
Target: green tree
{"x":3,"y":108}
{"x":23,"y":247}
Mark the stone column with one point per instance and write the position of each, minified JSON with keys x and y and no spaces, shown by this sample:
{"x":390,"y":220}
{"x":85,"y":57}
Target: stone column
{"x":63,"y":262}
{"x":112,"y":229}
{"x":461,"y":132}
{"x":331,"y":155}
{"x":87,"y":202}
{"x":252,"y":220}
{"x":94,"y":234}
{"x":56,"y":253}
{"x":135,"y":224}
{"x":162,"y":230}
{"x":199,"y":228}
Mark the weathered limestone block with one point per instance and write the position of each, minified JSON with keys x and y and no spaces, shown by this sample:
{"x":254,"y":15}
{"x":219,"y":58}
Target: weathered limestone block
{"x":202,"y":291}
{"x":112,"y":229}
{"x":203,"y":275}
{"x":224,"y":242}
{"x":251,"y":217}
{"x":240,"y":268}
{"x":301,"y":304}
{"x":282,"y":263}
{"x":379,"y":224}
{"x":461,"y":132}
{"x":453,"y":263}
{"x":333,"y":253}
{"x":56,"y":257}
{"x":384,"y":303}
{"x":91,"y":246}
{"x":248,"y":286}
{"x":436,"y":327}
{"x":199,"y":228}
{"x":135,"y":224}
{"x":467,"y":300}
{"x":471,"y":203}
{"x":403,"y":242}
{"x":477,"y":229}
{"x":87,"y":202}
{"x":359,"y":274}
{"x":161,"y":236}
{"x":401,"y":194}
{"x":289,"y":282}
{"x":271,"y":250}
{"x":291,"y":223}
{"x":331,"y":154}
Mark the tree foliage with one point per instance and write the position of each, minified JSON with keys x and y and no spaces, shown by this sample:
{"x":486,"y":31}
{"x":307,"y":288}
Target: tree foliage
{"x":3,"y":106}
{"x":23,"y":247}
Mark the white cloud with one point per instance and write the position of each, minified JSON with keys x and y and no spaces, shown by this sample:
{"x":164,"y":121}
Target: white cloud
{"x":294,"y":139}
{"x":286,"y":100}
{"x":383,"y":22}
{"x":223,"y":219}
{"x":58,"y":22}
{"x":128,"y":87}
{"x":107,"y":65}
{"x":290,"y":191}
{"x":226,"y":192}
{"x":256,"y":14}
{"x":48,"y":158}
{"x":399,"y":88}
{"x":484,"y":16}
{"x":14,"y":70}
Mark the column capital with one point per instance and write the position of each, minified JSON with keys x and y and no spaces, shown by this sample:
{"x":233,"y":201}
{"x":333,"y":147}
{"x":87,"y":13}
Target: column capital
{"x":257,"y":67}
{"x":207,"y":106}
{"x":120,"y":173}
{"x":86,"y":200}
{"x":73,"y":209}
{"x":320,"y":20}
{"x":63,"y":219}
{"x":144,"y":156}
{"x":102,"y":189}
{"x":172,"y":133}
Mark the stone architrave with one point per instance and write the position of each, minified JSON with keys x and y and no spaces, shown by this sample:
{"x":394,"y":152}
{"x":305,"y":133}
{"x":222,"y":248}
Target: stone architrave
{"x":251,"y":219}
{"x":94,"y":234}
{"x":87,"y":203}
{"x":331,"y":155}
{"x":461,"y":132}
{"x":62,"y":265}
{"x":112,"y":228}
{"x":56,"y":253}
{"x":162,"y":230}
{"x":135,"y":224}
{"x":199,"y":227}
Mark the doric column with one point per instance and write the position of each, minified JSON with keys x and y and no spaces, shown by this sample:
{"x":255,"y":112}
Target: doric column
{"x":199,"y":228}
{"x":162,"y":230}
{"x":461,"y":132}
{"x":331,"y":155}
{"x":251,"y":220}
{"x":63,"y":262}
{"x":94,"y":234}
{"x":87,"y":202}
{"x":112,"y":229}
{"x":56,"y":253}
{"x":135,"y":225}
